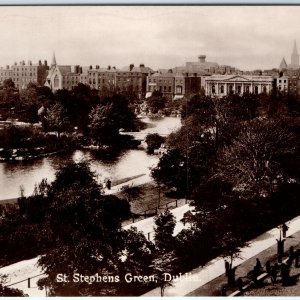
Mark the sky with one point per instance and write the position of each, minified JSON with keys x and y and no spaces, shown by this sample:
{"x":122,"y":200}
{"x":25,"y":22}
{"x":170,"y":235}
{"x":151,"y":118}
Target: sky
{"x":246,"y":37}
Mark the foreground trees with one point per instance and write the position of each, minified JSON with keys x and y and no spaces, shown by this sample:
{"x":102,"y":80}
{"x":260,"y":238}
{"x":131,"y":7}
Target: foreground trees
{"x":235,"y":157}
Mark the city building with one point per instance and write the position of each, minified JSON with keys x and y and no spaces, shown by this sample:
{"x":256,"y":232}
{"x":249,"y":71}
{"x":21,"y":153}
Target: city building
{"x":162,"y":82}
{"x":22,"y":74}
{"x":282,"y":84}
{"x":223,"y":85}
{"x":133,"y":79}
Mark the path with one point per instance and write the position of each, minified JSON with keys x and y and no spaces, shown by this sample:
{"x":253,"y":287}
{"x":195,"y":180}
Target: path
{"x":200,"y":276}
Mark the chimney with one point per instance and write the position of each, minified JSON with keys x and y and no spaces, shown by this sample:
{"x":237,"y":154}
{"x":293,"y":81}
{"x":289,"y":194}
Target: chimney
{"x":40,"y":62}
{"x":23,"y":62}
{"x":131,"y":66}
{"x":142,"y":66}
{"x":97,"y":67}
{"x":202,"y":58}
{"x":109,"y":67}
{"x":45,"y":63}
{"x":91,"y":67}
{"x":80,"y":70}
{"x":7,"y":67}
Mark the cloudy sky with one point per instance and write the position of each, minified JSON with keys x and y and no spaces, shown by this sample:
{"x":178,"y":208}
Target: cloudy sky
{"x":247,"y":37}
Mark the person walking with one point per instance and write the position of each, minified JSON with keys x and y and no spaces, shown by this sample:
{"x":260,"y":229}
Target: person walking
{"x":285,"y":228}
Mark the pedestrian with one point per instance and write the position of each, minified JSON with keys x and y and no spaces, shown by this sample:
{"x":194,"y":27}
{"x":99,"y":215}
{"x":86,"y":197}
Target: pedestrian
{"x":239,"y":283}
{"x":273,"y":274}
{"x":258,"y":264}
{"x":268,"y":267}
{"x":284,"y":229}
{"x":255,"y":273}
{"x":227,"y":267}
{"x":108,"y":184}
{"x":297,"y":256}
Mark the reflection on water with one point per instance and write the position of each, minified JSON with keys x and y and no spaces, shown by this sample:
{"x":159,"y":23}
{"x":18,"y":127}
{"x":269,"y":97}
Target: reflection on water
{"x":128,"y":163}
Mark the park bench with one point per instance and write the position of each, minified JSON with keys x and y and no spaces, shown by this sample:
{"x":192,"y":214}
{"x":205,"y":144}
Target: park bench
{"x":259,"y":278}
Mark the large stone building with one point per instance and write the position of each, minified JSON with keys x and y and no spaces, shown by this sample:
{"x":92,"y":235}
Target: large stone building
{"x":22,"y":74}
{"x":223,"y":85}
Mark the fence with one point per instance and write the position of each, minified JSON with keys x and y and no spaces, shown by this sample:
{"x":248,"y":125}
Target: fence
{"x":150,"y":212}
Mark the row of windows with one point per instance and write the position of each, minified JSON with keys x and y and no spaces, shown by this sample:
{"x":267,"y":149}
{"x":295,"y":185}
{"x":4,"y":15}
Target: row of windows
{"x":24,"y":69}
{"x":161,"y":81}
{"x":238,"y":89}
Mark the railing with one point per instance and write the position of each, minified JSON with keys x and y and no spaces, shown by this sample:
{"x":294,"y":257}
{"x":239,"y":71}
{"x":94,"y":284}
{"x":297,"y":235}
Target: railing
{"x":153,"y":211}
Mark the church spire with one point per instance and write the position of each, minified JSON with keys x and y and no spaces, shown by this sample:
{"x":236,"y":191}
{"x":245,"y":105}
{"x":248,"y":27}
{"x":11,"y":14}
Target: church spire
{"x":295,"y":48}
{"x":295,"y":57}
{"x":53,"y":64}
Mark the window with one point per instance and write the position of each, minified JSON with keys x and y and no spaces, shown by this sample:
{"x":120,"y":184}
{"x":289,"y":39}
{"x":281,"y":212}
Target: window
{"x":256,"y":90}
{"x":222,"y":89}
{"x":170,"y":89}
{"x":56,"y":82}
{"x":213,"y":89}
{"x":179,"y":90}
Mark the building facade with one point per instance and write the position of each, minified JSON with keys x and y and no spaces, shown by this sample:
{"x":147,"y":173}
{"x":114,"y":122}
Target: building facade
{"x":223,"y":85}
{"x":22,"y":74}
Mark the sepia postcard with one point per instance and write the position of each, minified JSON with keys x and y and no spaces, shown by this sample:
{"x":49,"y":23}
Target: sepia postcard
{"x":149,"y":150}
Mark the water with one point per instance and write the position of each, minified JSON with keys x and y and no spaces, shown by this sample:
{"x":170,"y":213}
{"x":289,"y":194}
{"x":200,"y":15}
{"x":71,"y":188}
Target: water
{"x":129,"y":163}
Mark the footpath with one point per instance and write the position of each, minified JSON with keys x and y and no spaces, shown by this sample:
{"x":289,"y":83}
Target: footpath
{"x":207,"y":280}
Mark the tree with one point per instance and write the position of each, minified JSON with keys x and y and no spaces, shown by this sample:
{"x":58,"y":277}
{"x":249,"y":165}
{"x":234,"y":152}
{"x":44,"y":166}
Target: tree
{"x":163,"y":266}
{"x":56,"y":119}
{"x":108,"y":118}
{"x":171,"y":170}
{"x":163,"y":237}
{"x":156,"y":102}
{"x":253,"y":163}
{"x":86,"y":227}
{"x":153,"y":141}
{"x":6,"y":291}
{"x":8,"y":83}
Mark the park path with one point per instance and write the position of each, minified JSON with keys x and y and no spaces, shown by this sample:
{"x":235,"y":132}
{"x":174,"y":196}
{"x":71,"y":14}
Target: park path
{"x":213,"y":269}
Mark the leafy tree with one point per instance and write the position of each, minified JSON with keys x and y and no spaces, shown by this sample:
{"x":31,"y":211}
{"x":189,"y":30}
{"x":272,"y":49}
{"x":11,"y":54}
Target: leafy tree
{"x":171,"y":170}
{"x":153,"y":141}
{"x":56,"y":119}
{"x":163,"y":237}
{"x":8,"y":83}
{"x":86,"y":227}
{"x":108,"y":118}
{"x":253,"y":161}
{"x":162,"y":265}
{"x":156,"y":102}
{"x":8,"y":291}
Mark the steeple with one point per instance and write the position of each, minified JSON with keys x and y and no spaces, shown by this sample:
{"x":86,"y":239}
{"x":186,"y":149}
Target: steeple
{"x":283,"y":65}
{"x":295,"y":48}
{"x":295,"y":57}
{"x":53,"y":64}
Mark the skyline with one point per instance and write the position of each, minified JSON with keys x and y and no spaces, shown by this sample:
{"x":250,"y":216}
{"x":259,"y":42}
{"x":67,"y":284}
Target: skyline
{"x":157,"y":36}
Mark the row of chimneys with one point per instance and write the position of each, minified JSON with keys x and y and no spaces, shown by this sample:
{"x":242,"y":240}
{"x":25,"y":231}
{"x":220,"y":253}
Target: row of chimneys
{"x":131,"y":66}
{"x":22,"y":63}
